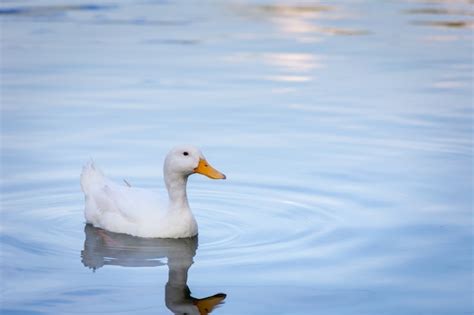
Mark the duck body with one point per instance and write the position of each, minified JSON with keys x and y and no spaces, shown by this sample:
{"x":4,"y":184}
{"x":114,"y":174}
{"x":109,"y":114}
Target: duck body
{"x":134,"y":211}
{"x":141,"y":212}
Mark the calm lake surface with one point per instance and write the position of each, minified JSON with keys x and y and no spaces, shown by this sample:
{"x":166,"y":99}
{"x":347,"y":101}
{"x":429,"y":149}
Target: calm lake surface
{"x":344,"y":129}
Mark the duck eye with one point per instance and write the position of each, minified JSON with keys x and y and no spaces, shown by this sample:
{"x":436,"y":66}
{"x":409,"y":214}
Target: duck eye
{"x":185,"y":153}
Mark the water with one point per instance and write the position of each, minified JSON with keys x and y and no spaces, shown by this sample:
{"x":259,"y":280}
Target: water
{"x":344,"y":129}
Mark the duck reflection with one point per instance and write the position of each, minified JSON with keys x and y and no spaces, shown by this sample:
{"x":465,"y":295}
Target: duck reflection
{"x":106,"y":248}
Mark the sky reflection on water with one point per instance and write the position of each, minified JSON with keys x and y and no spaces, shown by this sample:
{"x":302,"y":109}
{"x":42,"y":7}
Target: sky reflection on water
{"x":345,"y":131}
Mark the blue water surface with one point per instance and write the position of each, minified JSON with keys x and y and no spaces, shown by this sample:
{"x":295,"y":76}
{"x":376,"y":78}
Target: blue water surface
{"x":344,"y":129}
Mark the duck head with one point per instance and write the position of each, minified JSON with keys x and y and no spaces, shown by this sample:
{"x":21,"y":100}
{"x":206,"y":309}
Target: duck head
{"x":186,"y":160}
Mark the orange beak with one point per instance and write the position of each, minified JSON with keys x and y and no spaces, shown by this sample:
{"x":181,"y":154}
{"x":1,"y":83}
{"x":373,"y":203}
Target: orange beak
{"x":205,"y":169}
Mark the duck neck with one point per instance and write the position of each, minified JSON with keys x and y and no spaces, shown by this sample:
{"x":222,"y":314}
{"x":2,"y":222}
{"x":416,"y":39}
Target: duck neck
{"x":178,"y":271}
{"x":176,"y":186}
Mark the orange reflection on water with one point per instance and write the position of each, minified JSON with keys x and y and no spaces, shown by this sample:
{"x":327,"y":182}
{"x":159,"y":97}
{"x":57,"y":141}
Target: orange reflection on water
{"x":301,"y":22}
{"x":443,"y":14}
{"x":283,"y":66}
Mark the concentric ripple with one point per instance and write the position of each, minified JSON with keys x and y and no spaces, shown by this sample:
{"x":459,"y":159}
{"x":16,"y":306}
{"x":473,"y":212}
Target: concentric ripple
{"x":247,"y":224}
{"x":236,"y":225}
{"x":54,"y":222}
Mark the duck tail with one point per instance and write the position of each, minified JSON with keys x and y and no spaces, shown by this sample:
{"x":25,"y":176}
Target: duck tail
{"x":91,"y":176}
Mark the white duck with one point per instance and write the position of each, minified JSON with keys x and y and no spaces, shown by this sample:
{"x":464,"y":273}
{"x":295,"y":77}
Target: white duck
{"x":141,"y":212}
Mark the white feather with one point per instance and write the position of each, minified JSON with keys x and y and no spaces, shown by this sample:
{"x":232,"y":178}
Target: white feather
{"x":141,"y":212}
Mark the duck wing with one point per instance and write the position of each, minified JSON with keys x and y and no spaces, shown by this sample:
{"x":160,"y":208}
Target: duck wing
{"x":134,"y":204}
{"x":107,"y":200}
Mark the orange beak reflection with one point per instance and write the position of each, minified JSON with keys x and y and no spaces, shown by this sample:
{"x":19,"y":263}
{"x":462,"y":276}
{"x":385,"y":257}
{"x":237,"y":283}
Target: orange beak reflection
{"x":205,"y":169}
{"x":206,"y":305}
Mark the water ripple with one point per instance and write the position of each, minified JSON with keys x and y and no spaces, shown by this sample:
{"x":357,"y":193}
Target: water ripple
{"x":235,"y":227}
{"x":249,"y":223}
